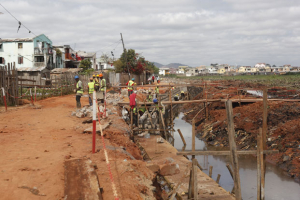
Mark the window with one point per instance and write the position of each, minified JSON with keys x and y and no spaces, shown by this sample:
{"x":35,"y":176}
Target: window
{"x":20,"y":60}
{"x":2,"y":61}
{"x":20,"y":45}
{"x":39,"y":59}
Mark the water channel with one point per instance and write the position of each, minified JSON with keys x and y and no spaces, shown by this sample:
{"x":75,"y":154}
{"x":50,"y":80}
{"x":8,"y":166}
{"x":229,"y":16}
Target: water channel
{"x":278,"y":185}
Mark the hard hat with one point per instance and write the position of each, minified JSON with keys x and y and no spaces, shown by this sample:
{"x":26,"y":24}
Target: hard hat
{"x":94,"y":75}
{"x":100,"y":75}
{"x":133,"y":79}
{"x":76,"y":77}
{"x":155,"y":101}
{"x":97,"y":75}
{"x":91,"y":79}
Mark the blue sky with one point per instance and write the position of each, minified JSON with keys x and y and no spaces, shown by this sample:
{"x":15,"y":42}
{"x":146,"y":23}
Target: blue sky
{"x":193,"y":32}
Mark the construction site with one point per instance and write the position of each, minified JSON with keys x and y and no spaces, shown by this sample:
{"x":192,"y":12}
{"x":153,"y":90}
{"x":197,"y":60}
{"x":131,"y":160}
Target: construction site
{"x":201,"y":139}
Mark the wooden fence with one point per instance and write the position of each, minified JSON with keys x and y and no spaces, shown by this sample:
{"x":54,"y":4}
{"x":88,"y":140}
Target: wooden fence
{"x":9,"y":82}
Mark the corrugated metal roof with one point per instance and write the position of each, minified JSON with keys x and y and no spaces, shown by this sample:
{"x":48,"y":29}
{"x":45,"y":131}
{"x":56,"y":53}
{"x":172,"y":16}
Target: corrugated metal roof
{"x":65,"y":70}
{"x":31,"y":69}
{"x":17,"y":40}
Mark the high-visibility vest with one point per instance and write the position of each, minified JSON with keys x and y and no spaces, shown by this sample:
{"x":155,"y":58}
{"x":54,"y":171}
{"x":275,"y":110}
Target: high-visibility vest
{"x":96,"y":82}
{"x":134,"y":110}
{"x":103,"y":84}
{"x":130,"y":83}
{"x":142,"y":109}
{"x":91,"y":87}
{"x":157,"y":89}
{"x":77,"y":86}
{"x":150,"y":98}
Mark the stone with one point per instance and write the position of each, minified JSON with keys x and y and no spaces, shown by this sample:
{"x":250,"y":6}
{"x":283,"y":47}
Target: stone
{"x":286,"y":158}
{"x":153,"y":167}
{"x":73,"y":113}
{"x":115,"y":103}
{"x":79,"y":114}
{"x":169,"y":169}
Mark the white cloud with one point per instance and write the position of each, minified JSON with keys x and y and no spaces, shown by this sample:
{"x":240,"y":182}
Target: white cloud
{"x":191,"y":32}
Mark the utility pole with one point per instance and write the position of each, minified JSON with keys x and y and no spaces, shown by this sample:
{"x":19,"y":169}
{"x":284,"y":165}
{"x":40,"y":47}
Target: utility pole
{"x":125,"y":54}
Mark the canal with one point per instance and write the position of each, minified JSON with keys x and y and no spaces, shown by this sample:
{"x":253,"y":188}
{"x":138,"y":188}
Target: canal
{"x":278,"y":185}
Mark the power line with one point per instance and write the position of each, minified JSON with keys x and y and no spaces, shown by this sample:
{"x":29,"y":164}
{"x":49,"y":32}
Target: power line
{"x":108,"y":46}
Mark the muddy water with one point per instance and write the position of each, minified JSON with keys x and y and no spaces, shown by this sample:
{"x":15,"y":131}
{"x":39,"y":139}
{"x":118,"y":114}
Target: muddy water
{"x":278,"y":185}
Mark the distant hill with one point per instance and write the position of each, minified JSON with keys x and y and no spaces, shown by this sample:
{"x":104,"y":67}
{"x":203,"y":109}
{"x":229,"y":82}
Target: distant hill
{"x":158,"y":64}
{"x":174,"y":65}
{"x":171,"y":65}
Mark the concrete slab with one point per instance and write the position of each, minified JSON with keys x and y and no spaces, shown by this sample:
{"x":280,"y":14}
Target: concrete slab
{"x":207,"y":187}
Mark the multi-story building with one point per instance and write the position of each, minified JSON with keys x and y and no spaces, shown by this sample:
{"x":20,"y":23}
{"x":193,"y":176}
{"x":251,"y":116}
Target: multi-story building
{"x":36,"y":52}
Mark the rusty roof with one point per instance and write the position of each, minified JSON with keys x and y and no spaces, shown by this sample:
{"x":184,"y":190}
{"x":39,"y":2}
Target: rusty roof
{"x":65,"y":70}
{"x":16,"y":40}
{"x":31,"y":69}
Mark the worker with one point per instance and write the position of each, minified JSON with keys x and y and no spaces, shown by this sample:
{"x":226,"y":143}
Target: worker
{"x":102,"y":87}
{"x":94,"y":78}
{"x":97,"y":85}
{"x":149,"y":97}
{"x":79,"y":91}
{"x":182,"y":94}
{"x":91,"y":86}
{"x":130,"y":83}
{"x":176,"y":97}
{"x":157,"y":89}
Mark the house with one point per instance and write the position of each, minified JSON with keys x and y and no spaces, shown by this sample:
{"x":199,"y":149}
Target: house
{"x":60,"y":56}
{"x":29,"y":53}
{"x":191,"y":71}
{"x":181,"y":69}
{"x":254,"y":69}
{"x":267,"y":69}
{"x":38,"y":75}
{"x":69,"y":58}
{"x":294,"y":69}
{"x":222,"y":70}
{"x":164,"y":71}
{"x":286,"y":68}
{"x":260,"y":65}
{"x":104,"y":63}
{"x":212,"y":69}
{"x":173,"y":71}
{"x":245,"y":69}
{"x":85,"y":55}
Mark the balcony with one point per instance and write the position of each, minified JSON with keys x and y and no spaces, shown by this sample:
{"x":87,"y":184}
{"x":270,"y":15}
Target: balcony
{"x":37,"y":51}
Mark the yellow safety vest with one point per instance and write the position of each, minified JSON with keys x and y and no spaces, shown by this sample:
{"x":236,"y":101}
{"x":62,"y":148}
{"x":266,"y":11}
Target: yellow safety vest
{"x":130,"y":83}
{"x":103,"y":84}
{"x":91,"y":87}
{"x":96,"y":82}
{"x":150,"y":98}
{"x":79,"y":91}
{"x":157,"y":89}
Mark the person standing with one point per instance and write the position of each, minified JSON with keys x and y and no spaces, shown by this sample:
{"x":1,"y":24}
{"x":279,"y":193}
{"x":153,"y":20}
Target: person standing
{"x":102,"y":87}
{"x":157,"y":78}
{"x":157,"y":90}
{"x":130,"y":83}
{"x":91,"y":86}
{"x":153,"y":77}
{"x":79,"y":91}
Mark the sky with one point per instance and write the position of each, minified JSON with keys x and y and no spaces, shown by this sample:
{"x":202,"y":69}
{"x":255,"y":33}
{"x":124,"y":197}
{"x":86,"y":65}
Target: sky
{"x":191,"y":32}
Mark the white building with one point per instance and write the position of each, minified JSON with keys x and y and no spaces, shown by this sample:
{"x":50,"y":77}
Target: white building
{"x":85,"y":55}
{"x":260,"y":65}
{"x":27,"y":52}
{"x":103,"y":64}
{"x":164,"y":71}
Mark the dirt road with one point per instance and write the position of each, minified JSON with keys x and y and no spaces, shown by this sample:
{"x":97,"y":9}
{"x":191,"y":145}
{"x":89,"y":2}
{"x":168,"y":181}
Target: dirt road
{"x":34,"y":143}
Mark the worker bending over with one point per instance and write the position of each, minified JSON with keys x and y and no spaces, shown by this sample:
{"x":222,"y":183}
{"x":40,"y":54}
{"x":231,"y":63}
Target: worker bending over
{"x":79,"y":91}
{"x":102,"y":88}
{"x":91,"y":88}
{"x":149,"y":97}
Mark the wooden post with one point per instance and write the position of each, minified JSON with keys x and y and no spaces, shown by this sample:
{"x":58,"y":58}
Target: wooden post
{"x":193,"y":137}
{"x":182,"y":138}
{"x":258,"y":166}
{"x":233,"y":153}
{"x":262,"y":165}
{"x":264,"y":141}
{"x":238,"y":92}
{"x":210,"y":171}
{"x":195,"y":195}
{"x":218,"y":178}
{"x":131,"y":122}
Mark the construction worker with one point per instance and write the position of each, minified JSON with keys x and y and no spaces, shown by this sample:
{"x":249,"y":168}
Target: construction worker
{"x":102,"y":87}
{"x":176,"y":97}
{"x":157,"y":90}
{"x":182,"y":94}
{"x":91,"y":86}
{"x":150,"y":97}
{"x":94,"y":78}
{"x":130,"y":83}
{"x":79,"y":91}
{"x":97,"y":85}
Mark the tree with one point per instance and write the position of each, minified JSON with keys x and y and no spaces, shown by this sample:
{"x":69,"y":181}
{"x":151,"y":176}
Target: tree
{"x":85,"y":64}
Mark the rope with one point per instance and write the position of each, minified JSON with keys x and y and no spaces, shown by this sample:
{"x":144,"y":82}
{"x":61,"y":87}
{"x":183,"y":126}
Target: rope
{"x":17,"y":97}
{"x":106,"y":157}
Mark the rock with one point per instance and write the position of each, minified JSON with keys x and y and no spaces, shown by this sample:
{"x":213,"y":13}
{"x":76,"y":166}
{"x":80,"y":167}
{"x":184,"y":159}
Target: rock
{"x":115,"y":103}
{"x":124,"y":92}
{"x":73,"y":113}
{"x":80,"y":115}
{"x":169,"y":169}
{"x":286,"y":158}
{"x":153,"y":167}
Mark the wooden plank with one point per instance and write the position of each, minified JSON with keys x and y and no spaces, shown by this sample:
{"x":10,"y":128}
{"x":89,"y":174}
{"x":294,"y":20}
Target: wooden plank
{"x":233,"y":153}
{"x":224,"y":153}
{"x":182,"y":138}
{"x":264,"y":141}
{"x":193,"y":137}
{"x":218,"y":178}
{"x":195,"y":186}
{"x":258,"y":167}
{"x":210,"y":171}
{"x":262,"y":165}
{"x":81,"y":181}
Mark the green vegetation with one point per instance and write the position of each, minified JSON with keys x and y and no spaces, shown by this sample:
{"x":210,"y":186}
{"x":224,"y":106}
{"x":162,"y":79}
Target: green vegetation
{"x":86,"y":66}
{"x":136,"y":64}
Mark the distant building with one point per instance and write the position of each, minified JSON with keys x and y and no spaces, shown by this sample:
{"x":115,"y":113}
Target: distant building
{"x":164,"y":71}
{"x":191,"y":71}
{"x":245,"y":69}
{"x":173,"y":71}
{"x":181,"y":69}
{"x":85,"y":55}
{"x":260,"y":65}
{"x":103,"y":64}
